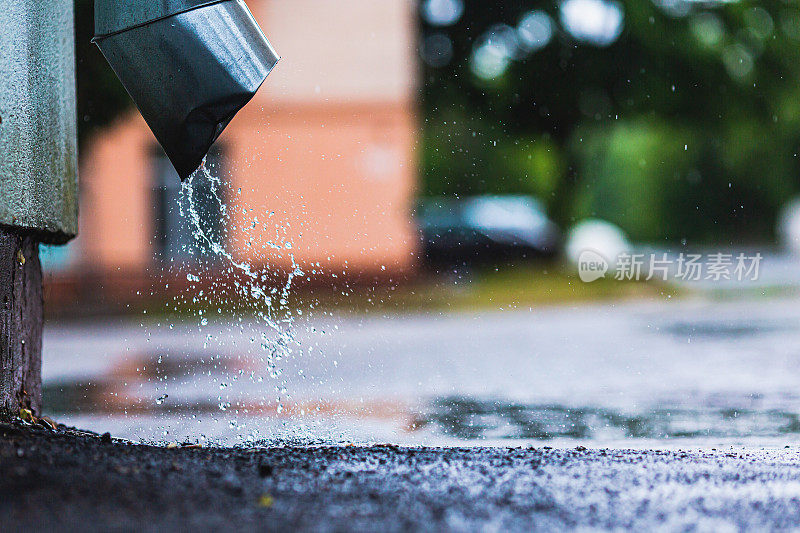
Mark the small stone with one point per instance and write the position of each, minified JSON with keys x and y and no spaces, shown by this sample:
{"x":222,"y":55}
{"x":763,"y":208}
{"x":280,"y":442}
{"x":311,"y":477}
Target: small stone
{"x":48,"y":422}
{"x":265,"y":501}
{"x":27,"y":415}
{"x":106,"y":438}
{"x":232,"y":483}
{"x":265,"y":470}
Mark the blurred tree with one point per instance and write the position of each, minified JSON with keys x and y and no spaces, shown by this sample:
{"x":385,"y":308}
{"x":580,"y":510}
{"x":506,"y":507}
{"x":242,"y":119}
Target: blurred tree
{"x":674,"y":119}
{"x":101,"y":97}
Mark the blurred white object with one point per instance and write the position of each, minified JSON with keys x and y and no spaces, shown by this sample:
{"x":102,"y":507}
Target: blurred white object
{"x":598,"y":236}
{"x":442,"y":12}
{"x":599,"y":22}
{"x":789,"y":227}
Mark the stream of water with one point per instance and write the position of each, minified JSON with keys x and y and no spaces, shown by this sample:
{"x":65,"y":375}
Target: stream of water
{"x":238,"y":300}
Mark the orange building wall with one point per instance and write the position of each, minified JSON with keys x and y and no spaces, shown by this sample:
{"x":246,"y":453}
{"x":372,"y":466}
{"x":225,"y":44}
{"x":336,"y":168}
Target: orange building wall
{"x":327,"y":145}
{"x":334,"y":51}
{"x":116,"y":217}
{"x":340,"y":181}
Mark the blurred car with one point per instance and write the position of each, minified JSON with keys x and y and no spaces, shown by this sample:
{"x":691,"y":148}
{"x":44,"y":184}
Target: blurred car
{"x":485,"y":229}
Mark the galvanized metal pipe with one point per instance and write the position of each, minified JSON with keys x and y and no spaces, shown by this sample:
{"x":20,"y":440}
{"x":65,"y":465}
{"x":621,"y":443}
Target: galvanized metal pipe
{"x":38,"y":123}
{"x":190,"y":66}
{"x":38,"y":179}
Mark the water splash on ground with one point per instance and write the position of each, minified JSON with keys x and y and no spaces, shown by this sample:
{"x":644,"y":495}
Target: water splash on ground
{"x":226,"y":290}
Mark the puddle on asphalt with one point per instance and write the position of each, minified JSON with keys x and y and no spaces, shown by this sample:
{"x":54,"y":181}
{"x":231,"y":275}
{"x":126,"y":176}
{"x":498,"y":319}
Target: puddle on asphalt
{"x":470,"y":419}
{"x":125,"y":399}
{"x":724,"y":329}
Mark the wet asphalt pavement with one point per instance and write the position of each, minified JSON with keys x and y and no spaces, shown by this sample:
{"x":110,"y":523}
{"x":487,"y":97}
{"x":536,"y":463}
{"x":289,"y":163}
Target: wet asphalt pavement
{"x":65,"y":481}
{"x":711,"y":383}
{"x":711,"y":371}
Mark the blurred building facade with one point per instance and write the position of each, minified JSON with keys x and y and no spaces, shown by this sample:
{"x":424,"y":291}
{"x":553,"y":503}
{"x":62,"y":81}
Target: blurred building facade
{"x":327,"y":145}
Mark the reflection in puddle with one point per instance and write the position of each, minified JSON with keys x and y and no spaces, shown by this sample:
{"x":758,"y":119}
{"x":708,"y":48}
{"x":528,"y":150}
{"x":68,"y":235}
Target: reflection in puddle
{"x":71,"y":398}
{"x":723,"y":330}
{"x":467,"y":419}
{"x":622,"y":374}
{"x":470,"y":419}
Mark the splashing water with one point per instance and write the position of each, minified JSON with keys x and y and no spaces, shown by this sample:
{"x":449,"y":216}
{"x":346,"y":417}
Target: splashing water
{"x":254,"y":300}
{"x":254,"y":290}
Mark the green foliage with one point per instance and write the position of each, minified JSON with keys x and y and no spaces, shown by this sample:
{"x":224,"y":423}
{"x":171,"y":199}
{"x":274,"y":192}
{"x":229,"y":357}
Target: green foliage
{"x":684,"y":128}
{"x":629,"y":169}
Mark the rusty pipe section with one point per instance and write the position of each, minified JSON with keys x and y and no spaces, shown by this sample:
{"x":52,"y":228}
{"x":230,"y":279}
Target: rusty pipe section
{"x":38,"y":124}
{"x":189,"y":65}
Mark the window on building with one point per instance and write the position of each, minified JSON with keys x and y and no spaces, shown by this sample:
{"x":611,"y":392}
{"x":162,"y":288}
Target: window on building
{"x":175,"y":233}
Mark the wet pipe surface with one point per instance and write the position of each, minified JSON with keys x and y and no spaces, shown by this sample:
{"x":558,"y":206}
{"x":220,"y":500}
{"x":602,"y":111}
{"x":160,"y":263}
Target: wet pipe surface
{"x":60,"y":479}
